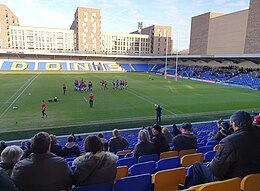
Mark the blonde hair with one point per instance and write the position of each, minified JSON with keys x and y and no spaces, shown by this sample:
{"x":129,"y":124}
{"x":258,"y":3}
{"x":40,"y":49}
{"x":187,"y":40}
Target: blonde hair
{"x":165,"y":130}
{"x":143,"y":136}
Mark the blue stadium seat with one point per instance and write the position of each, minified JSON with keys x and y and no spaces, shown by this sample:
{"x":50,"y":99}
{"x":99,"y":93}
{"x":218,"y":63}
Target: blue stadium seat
{"x":120,"y":156}
{"x":126,"y":161}
{"x":96,"y":187}
{"x":168,"y":163}
{"x":143,"y":168}
{"x":146,"y":158}
{"x":134,"y":183}
{"x":208,"y":156}
{"x":205,"y":149}
{"x":129,"y":155}
{"x":212,"y":143}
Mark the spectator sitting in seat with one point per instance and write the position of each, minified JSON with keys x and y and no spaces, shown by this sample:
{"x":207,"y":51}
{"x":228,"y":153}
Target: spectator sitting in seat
{"x":117,"y":143}
{"x":43,"y":170}
{"x":9,"y":157}
{"x":23,"y":146}
{"x":186,"y":140}
{"x":96,"y":165}
{"x":79,"y":138}
{"x":55,"y":147}
{"x":159,"y":141}
{"x":167,"y":135}
{"x":70,"y":148}
{"x":6,"y":183}
{"x":212,"y":134}
{"x":104,"y":141}
{"x":144,"y":146}
{"x":222,"y":133}
{"x":237,"y":156}
{"x":175,"y":131}
{"x":28,"y":150}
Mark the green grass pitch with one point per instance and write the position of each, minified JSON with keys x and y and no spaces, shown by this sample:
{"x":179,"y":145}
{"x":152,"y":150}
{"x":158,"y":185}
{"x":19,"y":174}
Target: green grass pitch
{"x":177,"y":98}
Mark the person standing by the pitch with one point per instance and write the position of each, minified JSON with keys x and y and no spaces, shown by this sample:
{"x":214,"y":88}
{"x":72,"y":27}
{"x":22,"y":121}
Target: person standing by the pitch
{"x":43,"y":109}
{"x":64,"y":89}
{"x":91,"y":100}
{"x":158,"y":114}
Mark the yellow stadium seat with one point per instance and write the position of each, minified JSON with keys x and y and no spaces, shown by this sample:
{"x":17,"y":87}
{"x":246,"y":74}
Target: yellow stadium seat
{"x":190,"y":159}
{"x":122,"y":171}
{"x":216,"y":147}
{"x":186,"y":152}
{"x":168,"y":154}
{"x":168,"y":180}
{"x":251,"y":182}
{"x":225,"y":185}
{"x":124,"y":152}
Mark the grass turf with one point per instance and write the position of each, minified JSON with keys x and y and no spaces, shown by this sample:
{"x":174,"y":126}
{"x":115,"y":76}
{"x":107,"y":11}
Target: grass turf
{"x":181,"y":100}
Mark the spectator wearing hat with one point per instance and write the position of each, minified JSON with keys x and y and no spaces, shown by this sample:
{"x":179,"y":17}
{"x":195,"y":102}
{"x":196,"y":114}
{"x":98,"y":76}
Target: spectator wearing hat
{"x":186,"y":140}
{"x":159,"y":140}
{"x":237,"y":156}
{"x":223,"y":132}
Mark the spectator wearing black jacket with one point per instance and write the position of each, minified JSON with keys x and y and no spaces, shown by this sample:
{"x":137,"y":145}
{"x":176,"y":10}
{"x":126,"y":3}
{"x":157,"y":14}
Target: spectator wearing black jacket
{"x":159,"y":140}
{"x":222,"y":133}
{"x":55,"y":147}
{"x":117,"y":143}
{"x":70,"y":149}
{"x":144,"y":145}
{"x":237,"y":156}
{"x":175,"y":130}
{"x":186,"y":140}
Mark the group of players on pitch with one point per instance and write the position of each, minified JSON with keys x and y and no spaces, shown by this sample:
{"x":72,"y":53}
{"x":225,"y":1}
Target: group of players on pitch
{"x":82,"y":85}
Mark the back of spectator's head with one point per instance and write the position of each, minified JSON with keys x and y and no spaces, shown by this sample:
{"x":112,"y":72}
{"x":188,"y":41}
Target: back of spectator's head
{"x":11,"y":154}
{"x":165,"y":130}
{"x":156,"y":129}
{"x":28,"y":144}
{"x":115,"y":132}
{"x":41,"y":143}
{"x":174,"y":126}
{"x":53,"y":139}
{"x":225,"y":126}
{"x":2,"y":143}
{"x":143,"y":136}
{"x":242,"y":119}
{"x":93,"y":144}
{"x":186,"y":126}
{"x":100,"y":135}
{"x":70,"y":138}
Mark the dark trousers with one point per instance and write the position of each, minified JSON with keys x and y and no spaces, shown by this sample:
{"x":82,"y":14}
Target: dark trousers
{"x":202,"y":174}
{"x":43,"y":113}
{"x":158,"y":119}
{"x":91,"y":103}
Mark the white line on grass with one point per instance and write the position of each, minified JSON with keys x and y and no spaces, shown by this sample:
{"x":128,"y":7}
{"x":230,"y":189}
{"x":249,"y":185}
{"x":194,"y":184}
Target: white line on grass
{"x":85,"y":99}
{"x":19,"y":96}
{"x":7,"y":101}
{"x":147,"y":100}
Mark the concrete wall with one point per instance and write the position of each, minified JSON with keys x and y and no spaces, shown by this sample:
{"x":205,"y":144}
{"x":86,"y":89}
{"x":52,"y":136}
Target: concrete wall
{"x":252,"y":45}
{"x":227,"y":33}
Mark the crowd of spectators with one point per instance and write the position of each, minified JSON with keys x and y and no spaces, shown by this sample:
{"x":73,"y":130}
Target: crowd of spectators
{"x":42,"y":168}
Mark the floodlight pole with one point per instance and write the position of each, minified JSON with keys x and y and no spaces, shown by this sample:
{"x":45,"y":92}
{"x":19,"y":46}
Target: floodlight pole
{"x":140,"y":30}
{"x":166,"y":58}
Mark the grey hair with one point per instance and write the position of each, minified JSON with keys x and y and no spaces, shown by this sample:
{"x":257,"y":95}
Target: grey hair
{"x":11,"y":154}
{"x":143,"y":136}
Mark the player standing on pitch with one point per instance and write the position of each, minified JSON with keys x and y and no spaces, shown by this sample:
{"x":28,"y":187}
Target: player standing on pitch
{"x":91,"y":100}
{"x":43,"y":109}
{"x":64,"y":89}
{"x":158,"y":113}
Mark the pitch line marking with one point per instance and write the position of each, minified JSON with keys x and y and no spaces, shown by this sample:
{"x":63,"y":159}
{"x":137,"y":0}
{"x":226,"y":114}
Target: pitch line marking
{"x":7,"y":101}
{"x":18,"y":96}
{"x":85,"y":99}
{"x":147,"y":100}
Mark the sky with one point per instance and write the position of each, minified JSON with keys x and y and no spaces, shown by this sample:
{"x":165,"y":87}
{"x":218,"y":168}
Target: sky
{"x":123,"y":15}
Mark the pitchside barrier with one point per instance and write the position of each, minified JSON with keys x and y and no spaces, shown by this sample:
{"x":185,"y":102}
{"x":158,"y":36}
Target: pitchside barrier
{"x":50,"y":65}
